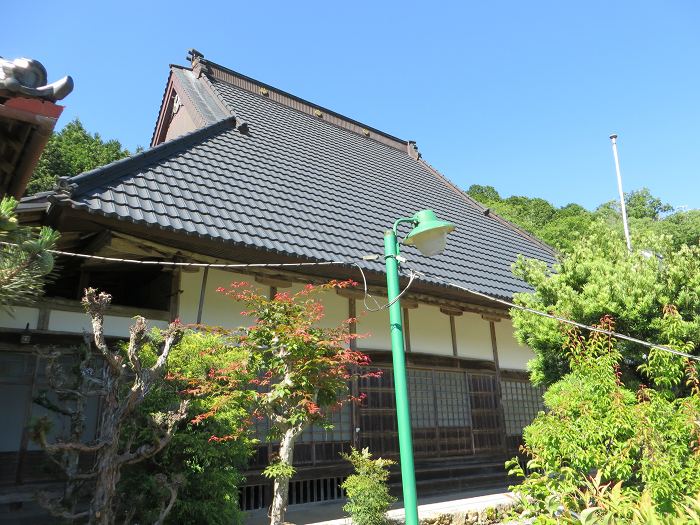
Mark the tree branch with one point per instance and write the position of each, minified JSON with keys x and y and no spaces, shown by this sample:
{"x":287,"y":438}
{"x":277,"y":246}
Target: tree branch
{"x":173,"y":487}
{"x":137,"y":336}
{"x":74,"y":445}
{"x":172,"y":336}
{"x":95,"y":304}
{"x":168,"y":424}
{"x":56,"y":509}
{"x":45,"y":402}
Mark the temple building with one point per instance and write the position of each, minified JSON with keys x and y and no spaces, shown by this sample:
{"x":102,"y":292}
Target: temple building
{"x":242,"y":172}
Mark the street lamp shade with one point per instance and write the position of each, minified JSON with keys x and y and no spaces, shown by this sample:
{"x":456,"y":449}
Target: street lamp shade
{"x":430,"y":234}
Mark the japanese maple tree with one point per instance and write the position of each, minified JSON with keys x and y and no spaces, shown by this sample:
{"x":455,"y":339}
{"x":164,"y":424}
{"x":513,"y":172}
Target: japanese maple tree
{"x":297,"y":372}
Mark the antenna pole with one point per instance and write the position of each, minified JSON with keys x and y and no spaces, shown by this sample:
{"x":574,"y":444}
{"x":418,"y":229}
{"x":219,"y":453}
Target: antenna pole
{"x":623,"y":208}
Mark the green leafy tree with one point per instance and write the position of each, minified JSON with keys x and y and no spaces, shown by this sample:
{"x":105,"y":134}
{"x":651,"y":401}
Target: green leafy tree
{"x":298,"y":373}
{"x":72,"y":151}
{"x":682,"y":227}
{"x":640,"y":204}
{"x":599,"y":277}
{"x":558,"y":227}
{"x":606,"y":452}
{"x":24,"y":260}
{"x":484,"y":194}
{"x":200,"y":477}
{"x":563,"y":227}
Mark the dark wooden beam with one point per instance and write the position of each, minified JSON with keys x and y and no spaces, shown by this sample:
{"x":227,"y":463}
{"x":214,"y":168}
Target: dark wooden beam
{"x":272,"y":281}
{"x":499,"y":393}
{"x":202,"y":293}
{"x":406,"y":330}
{"x":352,"y":314}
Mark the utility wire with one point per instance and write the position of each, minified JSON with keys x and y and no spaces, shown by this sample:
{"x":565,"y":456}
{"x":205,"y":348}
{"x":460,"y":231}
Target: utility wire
{"x":183,"y":264}
{"x":378,"y":307}
{"x":561,"y":319}
{"x":412,"y":275}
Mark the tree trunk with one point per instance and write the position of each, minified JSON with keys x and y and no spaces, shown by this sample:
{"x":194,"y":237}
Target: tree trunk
{"x":280,"y":495}
{"x":108,"y":472}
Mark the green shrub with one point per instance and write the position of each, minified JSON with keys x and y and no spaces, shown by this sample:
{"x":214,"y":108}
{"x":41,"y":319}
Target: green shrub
{"x":606,"y":447}
{"x":208,"y":472}
{"x":367,"y":490}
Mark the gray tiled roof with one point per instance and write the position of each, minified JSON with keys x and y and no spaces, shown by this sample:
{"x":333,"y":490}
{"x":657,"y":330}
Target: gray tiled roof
{"x":297,"y":185}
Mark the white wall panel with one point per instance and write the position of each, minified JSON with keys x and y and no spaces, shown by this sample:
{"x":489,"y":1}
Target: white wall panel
{"x":77,"y":322}
{"x":218,"y":310}
{"x":510,"y":354}
{"x":19,"y":317}
{"x":376,"y":326}
{"x":473,"y":337}
{"x":430,"y":330}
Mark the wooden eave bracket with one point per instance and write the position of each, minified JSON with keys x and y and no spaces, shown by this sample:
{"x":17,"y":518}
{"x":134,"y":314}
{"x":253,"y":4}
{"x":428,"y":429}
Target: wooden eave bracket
{"x":277,"y":282}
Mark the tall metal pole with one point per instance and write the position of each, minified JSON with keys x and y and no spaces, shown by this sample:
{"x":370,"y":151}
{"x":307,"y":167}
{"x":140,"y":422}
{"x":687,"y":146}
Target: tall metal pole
{"x":408,"y":476}
{"x":613,"y":139}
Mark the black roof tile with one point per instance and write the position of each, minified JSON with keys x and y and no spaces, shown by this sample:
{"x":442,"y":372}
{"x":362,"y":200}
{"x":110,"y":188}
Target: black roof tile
{"x":300,"y":186}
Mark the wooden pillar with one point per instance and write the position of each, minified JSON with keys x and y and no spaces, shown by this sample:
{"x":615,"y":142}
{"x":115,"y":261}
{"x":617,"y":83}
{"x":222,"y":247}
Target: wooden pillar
{"x":407,"y":305}
{"x":202,"y":293}
{"x":175,"y":294}
{"x":44,"y":319}
{"x":406,"y":331}
{"x":499,"y":394}
{"x":352,"y":314}
{"x":452,"y":313}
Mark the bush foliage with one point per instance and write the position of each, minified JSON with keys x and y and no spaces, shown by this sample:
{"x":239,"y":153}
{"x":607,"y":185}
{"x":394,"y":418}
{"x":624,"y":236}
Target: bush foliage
{"x":599,"y":277}
{"x":605,"y":452}
{"x":208,"y":474}
{"x":367,"y":490}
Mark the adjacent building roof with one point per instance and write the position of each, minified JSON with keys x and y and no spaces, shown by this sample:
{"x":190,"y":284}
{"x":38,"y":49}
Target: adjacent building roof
{"x":271,"y":171}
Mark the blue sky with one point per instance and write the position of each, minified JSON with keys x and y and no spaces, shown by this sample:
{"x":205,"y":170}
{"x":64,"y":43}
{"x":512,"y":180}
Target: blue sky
{"x":519,"y":95}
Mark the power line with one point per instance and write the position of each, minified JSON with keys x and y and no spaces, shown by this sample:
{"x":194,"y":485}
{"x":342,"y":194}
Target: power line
{"x":378,"y":307}
{"x":183,"y":264}
{"x":562,"y":319}
{"x":412,"y":275}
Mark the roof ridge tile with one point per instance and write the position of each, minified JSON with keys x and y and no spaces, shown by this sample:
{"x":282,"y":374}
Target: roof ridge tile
{"x":483,"y":208}
{"x":364,"y":130}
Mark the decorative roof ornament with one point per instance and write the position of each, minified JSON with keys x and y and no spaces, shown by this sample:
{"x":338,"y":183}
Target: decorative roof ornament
{"x":24,"y":77}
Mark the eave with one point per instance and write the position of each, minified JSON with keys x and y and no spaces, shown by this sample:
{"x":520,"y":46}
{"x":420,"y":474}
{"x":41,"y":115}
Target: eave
{"x":171,"y":245}
{"x":25,"y":128}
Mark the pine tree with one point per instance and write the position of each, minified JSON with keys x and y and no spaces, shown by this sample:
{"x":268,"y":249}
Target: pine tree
{"x":24,"y":260}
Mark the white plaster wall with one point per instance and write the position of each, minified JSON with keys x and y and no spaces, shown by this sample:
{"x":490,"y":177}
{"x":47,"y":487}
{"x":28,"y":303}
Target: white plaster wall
{"x":510,"y":354}
{"x":376,"y":326}
{"x":473,"y":337}
{"x":76,"y":322}
{"x":335,"y":308}
{"x":218,"y":310}
{"x":430,"y":330}
{"x":19,"y":317}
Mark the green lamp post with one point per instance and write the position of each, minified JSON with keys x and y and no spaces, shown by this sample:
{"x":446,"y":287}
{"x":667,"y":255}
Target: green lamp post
{"x":429,"y":236}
